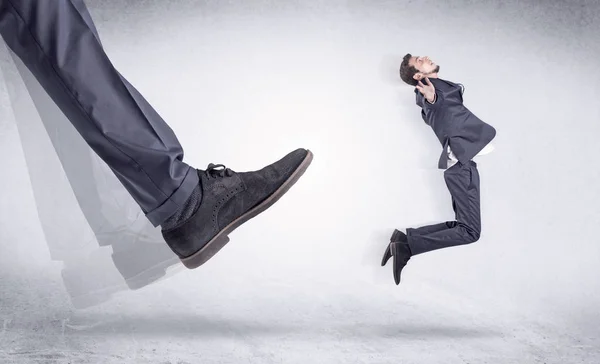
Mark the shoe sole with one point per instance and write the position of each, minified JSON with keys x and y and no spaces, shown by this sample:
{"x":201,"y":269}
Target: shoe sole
{"x":386,"y":255}
{"x":221,"y":239}
{"x":395,"y":263}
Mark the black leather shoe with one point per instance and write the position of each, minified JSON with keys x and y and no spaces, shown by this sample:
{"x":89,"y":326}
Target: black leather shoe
{"x":397,"y":236}
{"x":401,"y":253}
{"x":229,"y":199}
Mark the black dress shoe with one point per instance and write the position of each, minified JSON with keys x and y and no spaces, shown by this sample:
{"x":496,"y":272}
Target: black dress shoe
{"x":229,"y":199}
{"x":401,"y":253}
{"x":397,"y":236}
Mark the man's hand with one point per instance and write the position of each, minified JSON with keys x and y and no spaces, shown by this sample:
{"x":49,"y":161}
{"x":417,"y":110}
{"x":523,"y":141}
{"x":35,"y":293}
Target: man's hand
{"x":427,"y":90}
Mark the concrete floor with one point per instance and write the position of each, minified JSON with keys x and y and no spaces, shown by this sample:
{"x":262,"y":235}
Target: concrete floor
{"x":243,"y":83}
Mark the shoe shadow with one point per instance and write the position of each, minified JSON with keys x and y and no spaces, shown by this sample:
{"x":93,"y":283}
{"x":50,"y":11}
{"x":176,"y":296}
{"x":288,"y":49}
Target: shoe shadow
{"x":193,"y":325}
{"x":172,"y":325}
{"x":414,"y":331}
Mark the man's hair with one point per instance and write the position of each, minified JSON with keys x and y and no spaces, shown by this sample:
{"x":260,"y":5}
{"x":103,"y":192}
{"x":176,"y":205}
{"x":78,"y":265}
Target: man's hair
{"x":407,"y":72}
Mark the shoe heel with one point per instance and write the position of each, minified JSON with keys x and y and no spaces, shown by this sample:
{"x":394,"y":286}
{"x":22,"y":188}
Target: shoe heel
{"x":398,"y":236}
{"x":208,"y":251}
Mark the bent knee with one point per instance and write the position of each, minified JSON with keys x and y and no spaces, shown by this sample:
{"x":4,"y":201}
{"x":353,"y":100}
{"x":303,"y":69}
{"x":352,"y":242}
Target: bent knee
{"x":470,"y":235}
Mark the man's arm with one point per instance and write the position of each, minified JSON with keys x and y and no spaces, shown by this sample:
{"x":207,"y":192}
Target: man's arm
{"x":427,"y":106}
{"x":428,"y":91}
{"x":433,"y":104}
{"x":434,"y":98}
{"x":424,"y":117}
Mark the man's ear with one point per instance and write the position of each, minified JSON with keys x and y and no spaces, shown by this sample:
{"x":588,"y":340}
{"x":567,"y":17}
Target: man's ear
{"x":418,"y":76}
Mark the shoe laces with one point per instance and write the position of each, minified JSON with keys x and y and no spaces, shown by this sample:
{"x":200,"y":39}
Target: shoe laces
{"x":218,"y":170}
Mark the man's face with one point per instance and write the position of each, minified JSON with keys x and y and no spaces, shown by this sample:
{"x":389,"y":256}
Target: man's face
{"x":424,"y":65}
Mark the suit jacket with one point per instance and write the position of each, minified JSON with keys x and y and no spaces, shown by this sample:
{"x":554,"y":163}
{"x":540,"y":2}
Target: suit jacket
{"x":453,"y":124}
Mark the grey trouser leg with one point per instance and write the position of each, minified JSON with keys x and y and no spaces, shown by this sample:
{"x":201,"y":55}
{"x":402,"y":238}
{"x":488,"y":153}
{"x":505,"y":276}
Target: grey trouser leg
{"x":463,"y":184}
{"x":59,"y":46}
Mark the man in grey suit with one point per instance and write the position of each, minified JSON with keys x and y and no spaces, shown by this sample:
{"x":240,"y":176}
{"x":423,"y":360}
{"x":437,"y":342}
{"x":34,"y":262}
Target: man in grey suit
{"x":196,"y":209}
{"x":462,"y":136}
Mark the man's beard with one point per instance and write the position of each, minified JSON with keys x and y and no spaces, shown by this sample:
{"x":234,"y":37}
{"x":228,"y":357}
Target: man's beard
{"x":436,"y":70}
